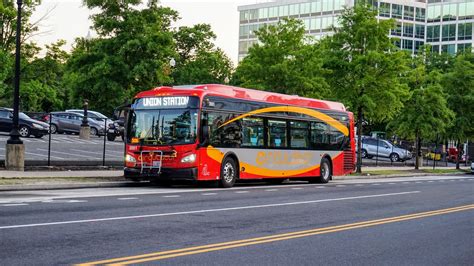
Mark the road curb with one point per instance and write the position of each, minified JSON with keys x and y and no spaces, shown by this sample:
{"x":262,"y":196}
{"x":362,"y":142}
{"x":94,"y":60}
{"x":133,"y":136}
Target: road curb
{"x":68,"y":186}
{"x":392,"y":176}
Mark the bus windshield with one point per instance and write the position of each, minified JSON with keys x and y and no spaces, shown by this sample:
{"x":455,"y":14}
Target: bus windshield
{"x":163,"y":127}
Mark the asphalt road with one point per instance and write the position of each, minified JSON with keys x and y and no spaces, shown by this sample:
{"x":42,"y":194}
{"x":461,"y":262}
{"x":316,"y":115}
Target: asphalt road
{"x":402,"y":221}
{"x":68,"y":148}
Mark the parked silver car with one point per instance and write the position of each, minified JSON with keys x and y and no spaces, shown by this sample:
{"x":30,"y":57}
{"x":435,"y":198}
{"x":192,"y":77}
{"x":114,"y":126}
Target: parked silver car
{"x":91,"y":114}
{"x":70,"y":122}
{"x":383,"y":148}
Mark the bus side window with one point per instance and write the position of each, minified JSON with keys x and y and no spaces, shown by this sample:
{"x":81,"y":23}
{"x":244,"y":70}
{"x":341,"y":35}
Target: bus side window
{"x":277,"y":133}
{"x":252,"y":132}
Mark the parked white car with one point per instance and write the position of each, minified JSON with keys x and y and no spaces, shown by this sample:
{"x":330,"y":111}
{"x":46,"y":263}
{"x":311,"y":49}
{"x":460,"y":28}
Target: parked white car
{"x":383,"y":148}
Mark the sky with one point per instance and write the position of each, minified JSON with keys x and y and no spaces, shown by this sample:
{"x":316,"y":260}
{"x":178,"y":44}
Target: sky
{"x":68,"y":19}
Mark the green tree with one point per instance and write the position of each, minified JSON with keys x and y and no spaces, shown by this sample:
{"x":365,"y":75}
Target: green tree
{"x":43,"y":77}
{"x":426,"y":114}
{"x":131,"y":54}
{"x":199,"y":61}
{"x":283,"y":61}
{"x":459,"y":86}
{"x":366,"y":67}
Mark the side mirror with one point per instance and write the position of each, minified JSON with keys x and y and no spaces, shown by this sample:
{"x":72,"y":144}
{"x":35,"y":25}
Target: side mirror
{"x":205,"y":136}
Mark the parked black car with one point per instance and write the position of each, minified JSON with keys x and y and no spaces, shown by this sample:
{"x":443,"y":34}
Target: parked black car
{"x":27,"y":126}
{"x":117,"y":127}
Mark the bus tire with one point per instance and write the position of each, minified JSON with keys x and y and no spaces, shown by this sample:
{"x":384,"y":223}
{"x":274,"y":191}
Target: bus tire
{"x":229,"y":173}
{"x":325,"y":171}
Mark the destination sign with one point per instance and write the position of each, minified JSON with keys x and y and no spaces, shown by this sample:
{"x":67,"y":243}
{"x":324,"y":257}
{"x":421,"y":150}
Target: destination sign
{"x":167,"y":102}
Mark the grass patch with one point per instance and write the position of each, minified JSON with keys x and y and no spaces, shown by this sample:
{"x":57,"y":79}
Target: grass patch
{"x":445,"y":171}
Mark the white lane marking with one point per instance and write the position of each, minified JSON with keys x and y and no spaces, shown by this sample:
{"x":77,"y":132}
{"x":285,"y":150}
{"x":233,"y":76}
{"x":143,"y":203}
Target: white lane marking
{"x":431,"y":181}
{"x":320,"y":187}
{"x":241,"y":192}
{"x":296,"y":188}
{"x":206,"y":210}
{"x":43,"y":155}
{"x":273,"y":189}
{"x":127,"y":198}
{"x":391,"y":183}
{"x":67,"y":153}
{"x":375,"y":184}
{"x":405,"y":182}
{"x":208,"y":194}
{"x":172,"y":196}
{"x":14,"y":204}
{"x":452,"y":180}
{"x":359,"y":185}
{"x":340,"y":185}
{"x":98,"y":153}
{"x":63,"y":201}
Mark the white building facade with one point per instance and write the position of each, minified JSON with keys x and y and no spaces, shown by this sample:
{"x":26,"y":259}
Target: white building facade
{"x":446,"y":25}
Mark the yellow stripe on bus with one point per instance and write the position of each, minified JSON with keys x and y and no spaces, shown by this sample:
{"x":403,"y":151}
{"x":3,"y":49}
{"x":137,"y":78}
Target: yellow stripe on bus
{"x":300,"y":110}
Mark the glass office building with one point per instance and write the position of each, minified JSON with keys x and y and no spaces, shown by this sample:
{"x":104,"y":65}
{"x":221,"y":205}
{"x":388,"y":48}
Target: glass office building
{"x":446,"y":25}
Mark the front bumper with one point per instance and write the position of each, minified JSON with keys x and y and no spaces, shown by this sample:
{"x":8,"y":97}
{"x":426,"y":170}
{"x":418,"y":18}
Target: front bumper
{"x":166,"y":174}
{"x":38,"y":132}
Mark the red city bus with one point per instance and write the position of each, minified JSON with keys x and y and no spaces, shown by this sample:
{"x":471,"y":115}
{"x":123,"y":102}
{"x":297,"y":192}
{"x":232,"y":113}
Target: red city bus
{"x":224,"y":133}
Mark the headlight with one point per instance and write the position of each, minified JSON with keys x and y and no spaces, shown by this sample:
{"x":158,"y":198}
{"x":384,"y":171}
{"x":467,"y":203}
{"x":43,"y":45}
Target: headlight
{"x":38,"y":126}
{"x":189,"y":158}
{"x":130,"y":159}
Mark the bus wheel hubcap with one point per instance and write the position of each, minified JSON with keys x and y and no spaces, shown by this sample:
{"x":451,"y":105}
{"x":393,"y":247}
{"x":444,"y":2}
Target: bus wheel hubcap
{"x":228,"y":172}
{"x":325,"y":171}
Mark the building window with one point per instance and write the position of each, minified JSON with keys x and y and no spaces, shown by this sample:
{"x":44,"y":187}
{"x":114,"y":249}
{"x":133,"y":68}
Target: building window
{"x":466,"y":10}
{"x":283,"y":11}
{"x":465,"y":47}
{"x":397,"y":11}
{"x":435,"y":49}
{"x":409,"y":13}
{"x":432,"y":33}
{"x":408,"y":30}
{"x":465,"y":31}
{"x":449,"y":12}
{"x":263,"y":13}
{"x":407,"y":44}
{"x":273,"y":12}
{"x":434,"y":13}
{"x":339,"y":4}
{"x":294,"y":9}
{"x":307,"y":24}
{"x":253,"y":14}
{"x":448,"y":48}
{"x":243,"y":15}
{"x":420,"y":14}
{"x":420,"y":31}
{"x":305,"y":8}
{"x":418,"y":45}
{"x":315,"y":24}
{"x":449,"y":32}
{"x":316,"y":6}
{"x":384,"y":10}
{"x":326,"y":23}
{"x":397,"y":30}
{"x":328,"y":5}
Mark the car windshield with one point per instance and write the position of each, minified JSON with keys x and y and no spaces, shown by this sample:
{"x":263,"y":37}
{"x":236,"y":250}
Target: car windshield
{"x":163,"y":127}
{"x":23,"y":116}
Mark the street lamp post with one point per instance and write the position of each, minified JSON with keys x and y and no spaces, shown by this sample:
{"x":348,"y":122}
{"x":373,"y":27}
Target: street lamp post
{"x":85,"y":129}
{"x":15,"y":149}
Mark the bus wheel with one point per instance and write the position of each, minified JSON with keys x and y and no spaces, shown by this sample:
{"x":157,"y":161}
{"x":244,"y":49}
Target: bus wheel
{"x":326,"y":171}
{"x":229,"y":173}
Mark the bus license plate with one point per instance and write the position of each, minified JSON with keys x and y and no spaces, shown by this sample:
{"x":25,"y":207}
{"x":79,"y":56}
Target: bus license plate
{"x":156,"y":164}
